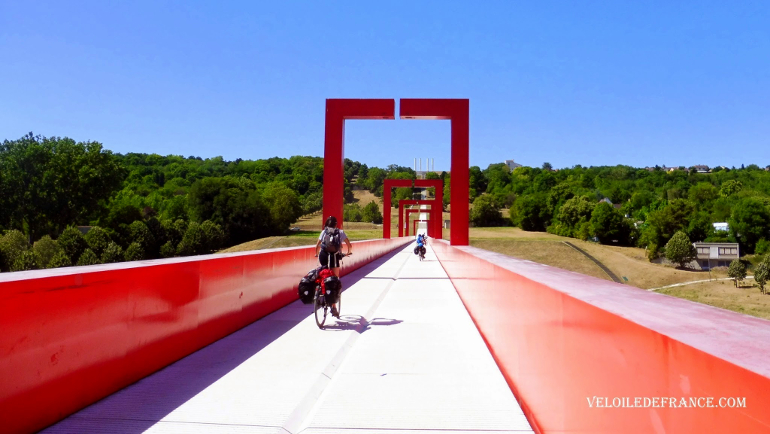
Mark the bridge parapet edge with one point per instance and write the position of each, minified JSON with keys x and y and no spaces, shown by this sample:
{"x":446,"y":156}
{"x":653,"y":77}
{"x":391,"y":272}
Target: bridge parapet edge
{"x":562,"y":339}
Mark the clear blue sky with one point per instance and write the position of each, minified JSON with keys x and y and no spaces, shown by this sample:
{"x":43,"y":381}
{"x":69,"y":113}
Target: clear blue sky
{"x":591,"y":83}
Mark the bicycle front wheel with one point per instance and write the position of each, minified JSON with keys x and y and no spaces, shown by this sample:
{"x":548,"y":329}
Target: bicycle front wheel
{"x":319,"y":310}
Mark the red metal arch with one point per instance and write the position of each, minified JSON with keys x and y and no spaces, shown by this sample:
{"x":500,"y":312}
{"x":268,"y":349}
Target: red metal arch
{"x":454,"y":110}
{"x":401,"y":203}
{"x":387,"y":188}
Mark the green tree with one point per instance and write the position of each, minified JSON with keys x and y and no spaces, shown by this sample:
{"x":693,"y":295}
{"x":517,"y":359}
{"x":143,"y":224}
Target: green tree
{"x":72,"y":242}
{"x":98,"y":239}
{"x":88,"y":258}
{"x":112,"y":253}
{"x":762,"y":273}
{"x":140,"y":233}
{"x":46,"y":248}
{"x":575,"y":210}
{"x":284,"y":204}
{"x":530,"y":213}
{"x":749,"y":223}
{"x":49,"y":183}
{"x":193,"y":242}
{"x":134,"y":252}
{"x":680,"y":250}
{"x":736,"y":271}
{"x":213,"y":236}
{"x":485,"y":213}
{"x":606,"y":223}
{"x":703,"y":192}
{"x":371,"y":213}
{"x":762,"y":247}
{"x":730,"y":187}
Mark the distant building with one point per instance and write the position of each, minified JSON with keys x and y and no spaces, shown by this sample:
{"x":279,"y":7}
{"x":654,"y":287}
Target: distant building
{"x":716,"y":254}
{"x":700,"y":168}
{"x":721,"y":227}
{"x":606,"y":200}
{"x":512,"y":164}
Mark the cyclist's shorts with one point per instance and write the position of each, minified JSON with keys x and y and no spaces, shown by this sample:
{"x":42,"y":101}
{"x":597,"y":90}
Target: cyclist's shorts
{"x":330,"y":260}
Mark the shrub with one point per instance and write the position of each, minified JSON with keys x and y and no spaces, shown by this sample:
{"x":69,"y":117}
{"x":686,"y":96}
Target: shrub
{"x":88,"y":258}
{"x":352,"y":213}
{"x":485,"y":212}
{"x":167,"y":250}
{"x":737,"y":271}
{"x":134,"y":252}
{"x":213,"y":236}
{"x":762,"y":273}
{"x":680,"y":250}
{"x":60,"y":259}
{"x":72,"y":242}
{"x":12,"y":245}
{"x":26,"y":260}
{"x":113,"y":253}
{"x":46,"y":248}
{"x":97,"y":239}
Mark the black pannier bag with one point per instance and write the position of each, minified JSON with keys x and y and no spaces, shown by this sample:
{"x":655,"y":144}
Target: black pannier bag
{"x":312,"y":275}
{"x":306,"y":290}
{"x":332,"y":286}
{"x":423,"y":250}
{"x":416,"y":250}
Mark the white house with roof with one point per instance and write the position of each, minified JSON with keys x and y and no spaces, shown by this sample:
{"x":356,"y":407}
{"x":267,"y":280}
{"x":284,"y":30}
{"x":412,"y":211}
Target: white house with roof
{"x":512,"y":164}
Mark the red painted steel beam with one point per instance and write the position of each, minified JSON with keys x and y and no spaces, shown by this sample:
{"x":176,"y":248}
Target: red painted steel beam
{"x":387,"y":187}
{"x":562,"y":339}
{"x":457,"y":112}
{"x":401,"y":203}
{"x":438,"y":184}
{"x":72,"y":336}
{"x":409,"y":212}
{"x":337,"y":112}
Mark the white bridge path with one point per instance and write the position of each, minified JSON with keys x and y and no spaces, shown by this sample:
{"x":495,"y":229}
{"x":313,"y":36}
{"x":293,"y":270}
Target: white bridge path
{"x":405,"y":357}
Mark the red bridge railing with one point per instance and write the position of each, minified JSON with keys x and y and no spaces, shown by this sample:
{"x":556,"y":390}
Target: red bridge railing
{"x":584,"y":355}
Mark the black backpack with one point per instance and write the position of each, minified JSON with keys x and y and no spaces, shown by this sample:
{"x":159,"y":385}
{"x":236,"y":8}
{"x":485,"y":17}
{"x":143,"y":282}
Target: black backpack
{"x":331,"y":240}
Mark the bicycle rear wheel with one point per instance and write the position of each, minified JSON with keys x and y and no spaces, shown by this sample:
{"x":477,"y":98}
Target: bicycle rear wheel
{"x":319,"y":310}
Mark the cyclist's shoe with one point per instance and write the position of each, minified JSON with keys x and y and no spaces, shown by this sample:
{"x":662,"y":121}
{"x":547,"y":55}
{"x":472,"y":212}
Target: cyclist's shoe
{"x":334,"y":312}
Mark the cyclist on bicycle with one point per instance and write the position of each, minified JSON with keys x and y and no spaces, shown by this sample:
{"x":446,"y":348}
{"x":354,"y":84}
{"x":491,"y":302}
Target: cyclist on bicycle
{"x":330,"y":246}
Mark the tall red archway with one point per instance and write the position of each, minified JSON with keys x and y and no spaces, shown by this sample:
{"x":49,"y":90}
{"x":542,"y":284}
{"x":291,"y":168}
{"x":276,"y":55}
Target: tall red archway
{"x":409,"y":212}
{"x":401,"y":212}
{"x":457,"y":112}
{"x":387,"y":186}
{"x":337,"y":112}
{"x":454,"y":110}
{"x":438,"y":217}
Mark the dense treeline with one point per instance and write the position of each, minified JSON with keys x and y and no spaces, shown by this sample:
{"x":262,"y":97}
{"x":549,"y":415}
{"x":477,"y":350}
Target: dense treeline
{"x":626,"y":205}
{"x":144,"y":206}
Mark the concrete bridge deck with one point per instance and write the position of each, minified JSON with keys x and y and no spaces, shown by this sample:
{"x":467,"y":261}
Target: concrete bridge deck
{"x":404,"y":357}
